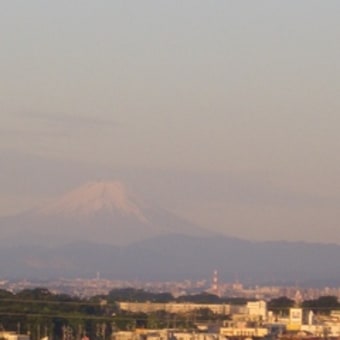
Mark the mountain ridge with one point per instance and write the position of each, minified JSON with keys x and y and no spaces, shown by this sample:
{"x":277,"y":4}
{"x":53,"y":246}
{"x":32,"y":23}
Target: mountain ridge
{"x":178,"y":257}
{"x":106,"y":234}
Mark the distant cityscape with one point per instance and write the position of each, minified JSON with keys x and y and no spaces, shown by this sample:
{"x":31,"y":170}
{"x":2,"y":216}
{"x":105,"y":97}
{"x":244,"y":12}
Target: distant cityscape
{"x":89,"y":287}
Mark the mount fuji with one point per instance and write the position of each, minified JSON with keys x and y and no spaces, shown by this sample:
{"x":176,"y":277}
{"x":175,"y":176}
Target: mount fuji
{"x":101,"y":226}
{"x":97,"y":212}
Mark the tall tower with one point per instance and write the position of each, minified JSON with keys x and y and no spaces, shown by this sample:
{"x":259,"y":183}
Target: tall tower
{"x":214,"y":285}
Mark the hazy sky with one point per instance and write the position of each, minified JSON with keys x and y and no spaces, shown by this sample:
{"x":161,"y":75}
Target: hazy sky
{"x":227,"y":112}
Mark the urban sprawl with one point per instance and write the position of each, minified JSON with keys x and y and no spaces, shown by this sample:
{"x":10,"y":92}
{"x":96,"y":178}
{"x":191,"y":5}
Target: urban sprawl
{"x":102,"y":309}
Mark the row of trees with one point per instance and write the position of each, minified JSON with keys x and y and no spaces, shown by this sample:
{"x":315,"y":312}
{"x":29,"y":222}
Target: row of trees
{"x":131,"y":294}
{"x":40,"y":313}
{"x":322,"y":305}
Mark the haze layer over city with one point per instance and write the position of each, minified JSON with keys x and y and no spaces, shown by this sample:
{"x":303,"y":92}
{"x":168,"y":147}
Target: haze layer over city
{"x":124,"y":122}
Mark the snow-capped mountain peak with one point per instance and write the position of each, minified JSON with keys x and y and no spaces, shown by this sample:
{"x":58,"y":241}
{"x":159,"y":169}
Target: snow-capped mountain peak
{"x":96,"y":197}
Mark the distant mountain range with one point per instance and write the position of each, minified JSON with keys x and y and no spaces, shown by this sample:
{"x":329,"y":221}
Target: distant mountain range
{"x":101,"y":227}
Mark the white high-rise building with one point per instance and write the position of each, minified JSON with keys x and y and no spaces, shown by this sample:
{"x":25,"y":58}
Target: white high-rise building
{"x":257,"y":309}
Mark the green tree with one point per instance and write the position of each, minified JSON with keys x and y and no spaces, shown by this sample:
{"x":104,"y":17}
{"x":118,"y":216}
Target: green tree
{"x":280,"y":305}
{"x":322,"y":305}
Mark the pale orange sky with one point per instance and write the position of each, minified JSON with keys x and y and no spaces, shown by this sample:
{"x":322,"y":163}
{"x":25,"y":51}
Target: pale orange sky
{"x":225,"y":112}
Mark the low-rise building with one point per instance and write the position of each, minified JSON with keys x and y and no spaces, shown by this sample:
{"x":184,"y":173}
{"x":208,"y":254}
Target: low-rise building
{"x":172,"y":307}
{"x":257,"y":310}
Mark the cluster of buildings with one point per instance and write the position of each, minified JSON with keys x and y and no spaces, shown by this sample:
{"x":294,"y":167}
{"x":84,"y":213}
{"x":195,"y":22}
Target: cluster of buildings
{"x":235,"y":322}
{"x":239,"y":322}
{"x":249,"y":321}
{"x":100,"y":286}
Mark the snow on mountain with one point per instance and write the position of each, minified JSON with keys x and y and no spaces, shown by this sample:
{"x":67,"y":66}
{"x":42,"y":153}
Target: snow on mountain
{"x":99,"y":212}
{"x":96,"y":197}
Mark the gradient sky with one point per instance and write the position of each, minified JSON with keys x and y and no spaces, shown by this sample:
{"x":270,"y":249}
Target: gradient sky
{"x":226,"y":112}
